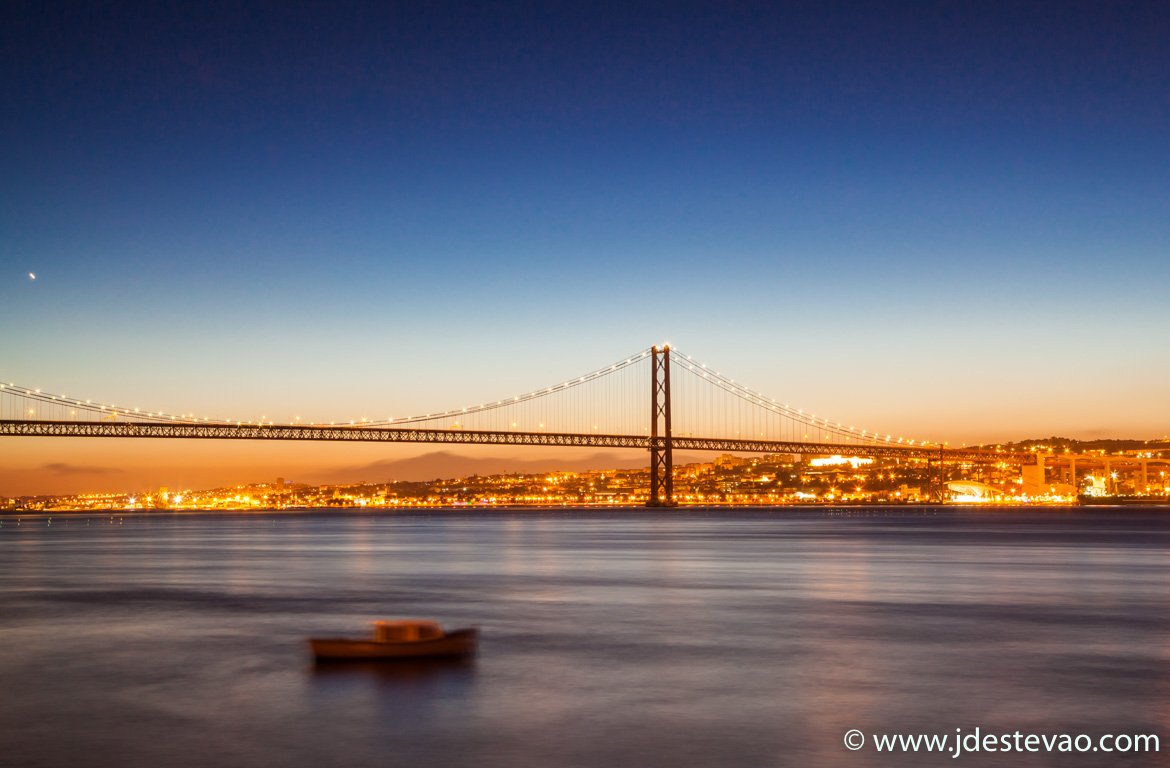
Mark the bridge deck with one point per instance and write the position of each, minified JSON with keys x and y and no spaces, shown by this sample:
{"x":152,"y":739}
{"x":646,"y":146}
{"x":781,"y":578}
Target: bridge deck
{"x":128,"y":429}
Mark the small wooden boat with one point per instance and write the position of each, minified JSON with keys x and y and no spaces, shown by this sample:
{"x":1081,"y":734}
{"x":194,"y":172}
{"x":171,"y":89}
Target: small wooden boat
{"x":403,"y":639}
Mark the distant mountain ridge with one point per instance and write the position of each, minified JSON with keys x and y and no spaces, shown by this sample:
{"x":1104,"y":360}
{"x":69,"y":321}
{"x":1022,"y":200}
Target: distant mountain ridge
{"x":1072,"y":444}
{"x":446,"y":465}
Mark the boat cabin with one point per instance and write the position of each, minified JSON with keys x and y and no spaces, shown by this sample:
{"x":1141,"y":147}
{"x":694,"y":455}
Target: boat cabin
{"x":406,"y":631}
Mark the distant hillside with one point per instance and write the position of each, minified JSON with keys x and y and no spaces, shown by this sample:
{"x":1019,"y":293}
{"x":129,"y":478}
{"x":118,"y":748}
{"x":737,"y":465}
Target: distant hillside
{"x":1083,"y":446}
{"x":446,"y":465}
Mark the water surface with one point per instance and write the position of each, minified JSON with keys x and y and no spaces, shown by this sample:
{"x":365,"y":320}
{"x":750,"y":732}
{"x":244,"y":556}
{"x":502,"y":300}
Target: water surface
{"x":704,"y":638}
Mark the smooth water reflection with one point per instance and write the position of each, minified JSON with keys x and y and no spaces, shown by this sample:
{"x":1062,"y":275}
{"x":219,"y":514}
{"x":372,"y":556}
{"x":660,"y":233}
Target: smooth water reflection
{"x":684,"y":638}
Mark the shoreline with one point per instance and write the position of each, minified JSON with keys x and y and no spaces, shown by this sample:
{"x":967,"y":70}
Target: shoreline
{"x":489,"y":510}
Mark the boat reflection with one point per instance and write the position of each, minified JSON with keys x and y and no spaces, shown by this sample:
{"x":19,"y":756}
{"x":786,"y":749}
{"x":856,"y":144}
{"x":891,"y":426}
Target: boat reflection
{"x":416,"y":673}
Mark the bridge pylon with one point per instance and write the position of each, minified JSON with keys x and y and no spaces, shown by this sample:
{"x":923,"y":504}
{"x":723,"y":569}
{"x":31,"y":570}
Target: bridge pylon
{"x":661,"y":461}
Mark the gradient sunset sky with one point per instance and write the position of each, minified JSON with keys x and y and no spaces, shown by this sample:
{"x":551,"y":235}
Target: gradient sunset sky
{"x":947,"y":219}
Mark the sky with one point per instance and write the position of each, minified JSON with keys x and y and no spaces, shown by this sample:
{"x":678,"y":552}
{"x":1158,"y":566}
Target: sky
{"x":949,"y":219}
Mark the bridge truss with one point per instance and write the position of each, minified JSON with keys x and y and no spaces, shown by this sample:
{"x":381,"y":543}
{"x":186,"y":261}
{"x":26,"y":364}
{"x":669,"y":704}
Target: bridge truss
{"x":469,"y":437}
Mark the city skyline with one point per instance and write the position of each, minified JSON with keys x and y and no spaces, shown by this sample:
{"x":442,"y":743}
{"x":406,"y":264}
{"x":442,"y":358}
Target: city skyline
{"x":1061,"y":473}
{"x":948,"y":222}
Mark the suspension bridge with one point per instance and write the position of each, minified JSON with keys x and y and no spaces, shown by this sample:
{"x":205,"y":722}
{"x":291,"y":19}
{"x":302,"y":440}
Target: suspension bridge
{"x":633,"y":403}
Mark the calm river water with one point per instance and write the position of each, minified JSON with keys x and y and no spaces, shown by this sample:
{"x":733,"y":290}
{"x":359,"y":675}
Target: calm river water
{"x":684,"y":638}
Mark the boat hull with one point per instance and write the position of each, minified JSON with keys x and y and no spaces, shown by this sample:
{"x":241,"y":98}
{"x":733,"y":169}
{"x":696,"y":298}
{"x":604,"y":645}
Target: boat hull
{"x":461,"y":642}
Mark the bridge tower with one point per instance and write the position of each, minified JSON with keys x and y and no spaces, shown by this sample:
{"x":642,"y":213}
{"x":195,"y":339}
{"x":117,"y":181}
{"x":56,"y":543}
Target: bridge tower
{"x":661,"y":463}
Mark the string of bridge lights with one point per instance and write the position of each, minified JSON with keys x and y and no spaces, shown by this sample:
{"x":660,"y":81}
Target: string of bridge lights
{"x":703,"y":371}
{"x":113,"y":411}
{"x":695,"y":367}
{"x":495,"y":404}
{"x":109,"y":410}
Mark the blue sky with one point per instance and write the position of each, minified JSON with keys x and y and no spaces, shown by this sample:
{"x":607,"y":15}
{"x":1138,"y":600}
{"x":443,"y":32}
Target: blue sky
{"x":941,"y":218}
